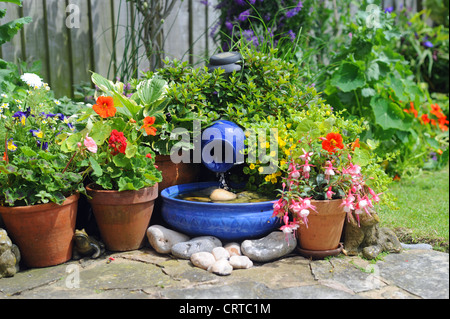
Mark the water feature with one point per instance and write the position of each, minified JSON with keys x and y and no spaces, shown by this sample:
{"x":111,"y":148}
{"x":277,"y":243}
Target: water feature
{"x":197,"y":210}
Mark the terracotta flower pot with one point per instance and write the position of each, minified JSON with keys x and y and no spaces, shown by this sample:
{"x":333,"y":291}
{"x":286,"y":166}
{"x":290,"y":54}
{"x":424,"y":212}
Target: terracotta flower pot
{"x":122,"y":217}
{"x":175,"y":174}
{"x":324,"y":228}
{"x":43,"y":233}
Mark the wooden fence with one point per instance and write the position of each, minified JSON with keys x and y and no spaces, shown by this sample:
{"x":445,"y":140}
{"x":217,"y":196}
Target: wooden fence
{"x":69,"y":50}
{"x":73,"y":37}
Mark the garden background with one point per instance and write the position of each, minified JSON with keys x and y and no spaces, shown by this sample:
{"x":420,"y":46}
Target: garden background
{"x":396,"y":77}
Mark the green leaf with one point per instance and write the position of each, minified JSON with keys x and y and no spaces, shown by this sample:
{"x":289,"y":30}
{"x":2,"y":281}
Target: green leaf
{"x":349,"y":77}
{"x":121,"y":160}
{"x":10,"y":29}
{"x":150,"y":91}
{"x":18,"y":2}
{"x":100,"y":132}
{"x":362,"y":156}
{"x":70,"y":144}
{"x":96,"y":167}
{"x":27,"y":151}
{"x":387,"y":114}
{"x":131,"y":150}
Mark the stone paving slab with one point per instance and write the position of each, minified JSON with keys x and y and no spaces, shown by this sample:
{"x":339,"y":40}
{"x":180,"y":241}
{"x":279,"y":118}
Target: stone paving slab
{"x":145,"y":274}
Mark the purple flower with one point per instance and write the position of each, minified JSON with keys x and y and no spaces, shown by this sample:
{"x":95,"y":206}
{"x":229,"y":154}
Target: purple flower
{"x":42,"y":146}
{"x":229,"y":25}
{"x":389,"y":10}
{"x":427,"y":44}
{"x":291,"y":35}
{"x":295,"y":11}
{"x":244,"y":15}
{"x":240,"y":2}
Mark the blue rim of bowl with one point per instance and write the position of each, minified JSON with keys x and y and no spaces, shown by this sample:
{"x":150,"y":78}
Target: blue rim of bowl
{"x":165,"y":195}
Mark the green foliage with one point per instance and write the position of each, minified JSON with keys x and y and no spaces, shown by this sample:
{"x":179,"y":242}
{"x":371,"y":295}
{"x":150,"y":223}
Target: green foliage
{"x":426,"y":49}
{"x":33,"y":168}
{"x":116,"y":158}
{"x":10,"y":29}
{"x":369,"y":79}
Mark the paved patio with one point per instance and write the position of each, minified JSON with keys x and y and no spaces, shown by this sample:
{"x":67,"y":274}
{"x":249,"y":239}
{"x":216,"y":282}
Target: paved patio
{"x":142,"y":274}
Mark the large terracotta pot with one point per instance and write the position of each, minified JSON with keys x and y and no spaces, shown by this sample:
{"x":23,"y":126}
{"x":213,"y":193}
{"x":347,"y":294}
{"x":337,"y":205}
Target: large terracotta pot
{"x":122,"y":217}
{"x":175,"y":174}
{"x":324,"y":228}
{"x":43,"y":233}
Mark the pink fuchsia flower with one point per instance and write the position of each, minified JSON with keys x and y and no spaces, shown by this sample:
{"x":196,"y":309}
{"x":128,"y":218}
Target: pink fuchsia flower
{"x":330,"y":193}
{"x":279,"y":207}
{"x":375,"y":197}
{"x":90,"y":144}
{"x":329,"y":169}
{"x":306,"y":155}
{"x":306,"y":169}
{"x":363,"y":204}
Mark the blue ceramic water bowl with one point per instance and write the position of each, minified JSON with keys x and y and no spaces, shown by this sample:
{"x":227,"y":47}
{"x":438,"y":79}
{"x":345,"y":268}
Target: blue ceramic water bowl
{"x":228,"y":222}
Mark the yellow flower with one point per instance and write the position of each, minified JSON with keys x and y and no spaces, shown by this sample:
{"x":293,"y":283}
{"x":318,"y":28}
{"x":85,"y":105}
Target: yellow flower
{"x":267,"y":178}
{"x":273,"y":154}
{"x":273,"y":180}
{"x":289,"y":125}
{"x":260,"y":170}
{"x":252,"y":166}
{"x":287,"y":152}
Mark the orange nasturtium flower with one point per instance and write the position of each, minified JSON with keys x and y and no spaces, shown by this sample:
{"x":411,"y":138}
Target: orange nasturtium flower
{"x":425,"y":119}
{"x":355,"y":144}
{"x":105,"y":107}
{"x":148,"y":122}
{"x":332,"y":142}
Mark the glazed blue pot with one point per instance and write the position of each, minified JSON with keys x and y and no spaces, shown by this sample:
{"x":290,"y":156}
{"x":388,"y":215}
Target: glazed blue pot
{"x":228,"y":222}
{"x":222,"y":146}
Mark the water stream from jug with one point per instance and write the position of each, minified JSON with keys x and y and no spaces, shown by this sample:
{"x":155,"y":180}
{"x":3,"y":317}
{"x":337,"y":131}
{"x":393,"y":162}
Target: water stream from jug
{"x":223,"y":181}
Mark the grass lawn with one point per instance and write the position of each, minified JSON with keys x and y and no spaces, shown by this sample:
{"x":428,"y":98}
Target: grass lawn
{"x":423,"y":214}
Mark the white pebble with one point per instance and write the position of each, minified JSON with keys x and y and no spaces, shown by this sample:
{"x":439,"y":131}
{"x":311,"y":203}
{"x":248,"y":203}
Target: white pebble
{"x":220,"y":253}
{"x":241,"y":262}
{"x":221,"y":267}
{"x":234,"y":249}
{"x":203,"y":260}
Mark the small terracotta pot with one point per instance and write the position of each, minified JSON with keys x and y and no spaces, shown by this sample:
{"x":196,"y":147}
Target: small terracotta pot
{"x":324,"y":228}
{"x":43,"y":233}
{"x":122,"y":217}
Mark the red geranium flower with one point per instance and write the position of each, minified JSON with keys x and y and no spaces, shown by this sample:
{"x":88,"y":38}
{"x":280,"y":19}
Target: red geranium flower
{"x":148,"y":122}
{"x":332,"y":142}
{"x":117,"y":143}
{"x":105,"y":107}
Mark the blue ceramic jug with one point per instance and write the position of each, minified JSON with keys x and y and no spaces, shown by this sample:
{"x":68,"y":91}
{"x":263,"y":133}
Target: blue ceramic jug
{"x":223,"y":146}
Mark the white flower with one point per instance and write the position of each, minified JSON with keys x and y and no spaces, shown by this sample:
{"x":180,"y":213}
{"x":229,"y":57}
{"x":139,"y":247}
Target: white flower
{"x":32,"y":80}
{"x":4,"y":96}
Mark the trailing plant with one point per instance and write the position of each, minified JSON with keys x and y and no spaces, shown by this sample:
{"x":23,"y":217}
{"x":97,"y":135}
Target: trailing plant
{"x":33,"y":168}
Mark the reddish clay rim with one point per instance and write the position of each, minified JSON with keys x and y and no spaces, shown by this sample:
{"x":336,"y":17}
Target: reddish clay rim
{"x":320,"y":254}
{"x":24,"y":209}
{"x":108,"y":197}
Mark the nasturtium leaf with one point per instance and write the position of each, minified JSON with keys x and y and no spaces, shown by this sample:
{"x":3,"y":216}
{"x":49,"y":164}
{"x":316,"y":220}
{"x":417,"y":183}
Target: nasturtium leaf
{"x":387,"y":114}
{"x":349,"y":77}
